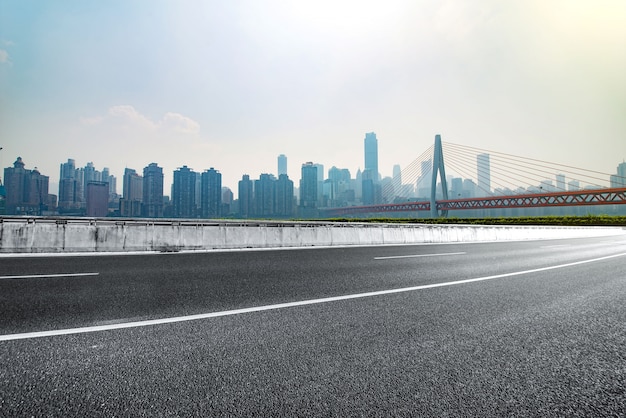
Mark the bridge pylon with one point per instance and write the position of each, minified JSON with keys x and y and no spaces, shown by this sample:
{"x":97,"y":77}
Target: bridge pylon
{"x":438,"y":167}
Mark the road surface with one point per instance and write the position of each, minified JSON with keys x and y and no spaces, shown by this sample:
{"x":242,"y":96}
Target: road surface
{"x":534,"y":328}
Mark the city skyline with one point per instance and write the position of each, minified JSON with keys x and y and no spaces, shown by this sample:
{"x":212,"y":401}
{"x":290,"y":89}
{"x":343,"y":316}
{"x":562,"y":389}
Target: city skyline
{"x":88,"y":191}
{"x":233,"y":85}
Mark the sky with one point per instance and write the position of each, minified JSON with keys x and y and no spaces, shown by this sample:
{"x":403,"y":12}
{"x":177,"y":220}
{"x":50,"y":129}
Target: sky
{"x":233,"y":84}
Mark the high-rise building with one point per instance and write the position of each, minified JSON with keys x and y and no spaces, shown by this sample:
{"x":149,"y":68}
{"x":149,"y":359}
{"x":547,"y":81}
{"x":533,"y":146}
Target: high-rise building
{"x":80,"y":187}
{"x":573,"y":186}
{"x":371,"y":155}
{"x":227,"y":201}
{"x":246,"y":197}
{"x":152,"y":191}
{"x":339,"y":184}
{"x":282,"y":164}
{"x":560,"y":183}
{"x":320,"y":183}
{"x":111,"y":181}
{"x":308,"y":186}
{"x":483,"y":170}
{"x":133,"y":185}
{"x":397,"y":174}
{"x":67,"y":186}
{"x":371,"y":192}
{"x":26,"y":190}
{"x":184,"y":193}
{"x":618,"y":180}
{"x":211,"y":193}
{"x":456,"y":188}
{"x":264,"y":194}
{"x":283,"y":206}
{"x":424,"y":181}
{"x":130,"y":204}
{"x":90,"y":175}
{"x":97,"y":198}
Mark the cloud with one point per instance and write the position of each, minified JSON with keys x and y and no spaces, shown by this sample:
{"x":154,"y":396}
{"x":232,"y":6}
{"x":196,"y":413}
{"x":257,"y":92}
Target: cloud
{"x":126,"y":116}
{"x":4,"y":56}
{"x":130,"y":117}
{"x":179,"y":123}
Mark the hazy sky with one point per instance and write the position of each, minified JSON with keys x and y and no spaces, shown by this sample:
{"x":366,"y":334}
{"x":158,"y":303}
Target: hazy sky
{"x":233,"y":84}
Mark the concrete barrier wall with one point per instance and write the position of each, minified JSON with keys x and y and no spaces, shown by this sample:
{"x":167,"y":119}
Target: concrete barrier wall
{"x":45,"y":235}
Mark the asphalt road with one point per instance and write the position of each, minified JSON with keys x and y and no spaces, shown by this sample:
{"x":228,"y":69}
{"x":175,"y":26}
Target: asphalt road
{"x":535,"y":328}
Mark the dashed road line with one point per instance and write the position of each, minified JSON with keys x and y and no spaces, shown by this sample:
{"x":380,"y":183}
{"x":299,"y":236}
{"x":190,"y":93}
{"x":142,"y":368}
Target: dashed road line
{"x":48,"y":276}
{"x":82,"y":330}
{"x":416,"y":255}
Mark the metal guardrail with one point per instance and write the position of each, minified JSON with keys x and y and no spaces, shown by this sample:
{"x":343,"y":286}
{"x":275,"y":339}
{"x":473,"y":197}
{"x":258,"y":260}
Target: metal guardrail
{"x":191,"y":222}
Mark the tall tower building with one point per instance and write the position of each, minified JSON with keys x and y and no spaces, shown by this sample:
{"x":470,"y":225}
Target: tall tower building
{"x":264,"y":195}
{"x":371,"y":155}
{"x":97,"y":198}
{"x":618,"y":180}
{"x":282,"y":164}
{"x":67,"y":186}
{"x":184,"y":193}
{"x":397,"y":173}
{"x":283,"y":196}
{"x":245,"y":196}
{"x":483,"y":169}
{"x":26,"y":190}
{"x":425,"y":179}
{"x":560,"y":183}
{"x":211,"y":193}
{"x":308,"y":186}
{"x":227,"y":201}
{"x":91,"y":175}
{"x":133,"y":185}
{"x":152,"y":191}
{"x":132,"y":190}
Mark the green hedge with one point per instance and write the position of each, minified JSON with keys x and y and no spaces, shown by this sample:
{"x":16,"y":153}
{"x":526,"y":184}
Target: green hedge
{"x":588,"y":220}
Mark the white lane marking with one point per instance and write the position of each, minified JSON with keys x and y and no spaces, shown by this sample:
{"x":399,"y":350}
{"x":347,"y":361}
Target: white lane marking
{"x":555,"y":246}
{"x":416,"y":255}
{"x":161,"y":321}
{"x":48,"y":276}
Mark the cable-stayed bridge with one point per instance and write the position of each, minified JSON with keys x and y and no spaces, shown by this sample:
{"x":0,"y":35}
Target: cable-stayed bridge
{"x":484,"y":179}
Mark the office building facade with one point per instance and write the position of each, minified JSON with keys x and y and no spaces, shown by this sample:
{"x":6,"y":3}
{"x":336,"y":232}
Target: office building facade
{"x":211,"y":193}
{"x":26,"y":190}
{"x":184,"y":193}
{"x":483,"y":170}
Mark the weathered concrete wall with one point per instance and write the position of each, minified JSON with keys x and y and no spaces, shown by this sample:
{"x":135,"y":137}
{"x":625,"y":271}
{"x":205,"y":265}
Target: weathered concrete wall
{"x":45,"y":235}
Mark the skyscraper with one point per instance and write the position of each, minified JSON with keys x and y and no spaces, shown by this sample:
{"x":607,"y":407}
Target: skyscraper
{"x":26,"y":190}
{"x":264,"y":195}
{"x":211,"y":193}
{"x":283,"y":196}
{"x":560,"y":183}
{"x":152,"y":191}
{"x":282,"y":164}
{"x":618,"y":180}
{"x":130,"y":204}
{"x":90,"y":175}
{"x":133,"y":185}
{"x":245,"y":196}
{"x":371,"y":155}
{"x":308,"y":186}
{"x":97,"y":198}
{"x":67,"y":186}
{"x":184,"y":193}
{"x":483,"y":170}
{"x":227,"y":201}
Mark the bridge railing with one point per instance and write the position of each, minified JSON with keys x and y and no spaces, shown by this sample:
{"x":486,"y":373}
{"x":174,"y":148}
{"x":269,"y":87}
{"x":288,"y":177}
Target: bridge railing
{"x":589,"y":197}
